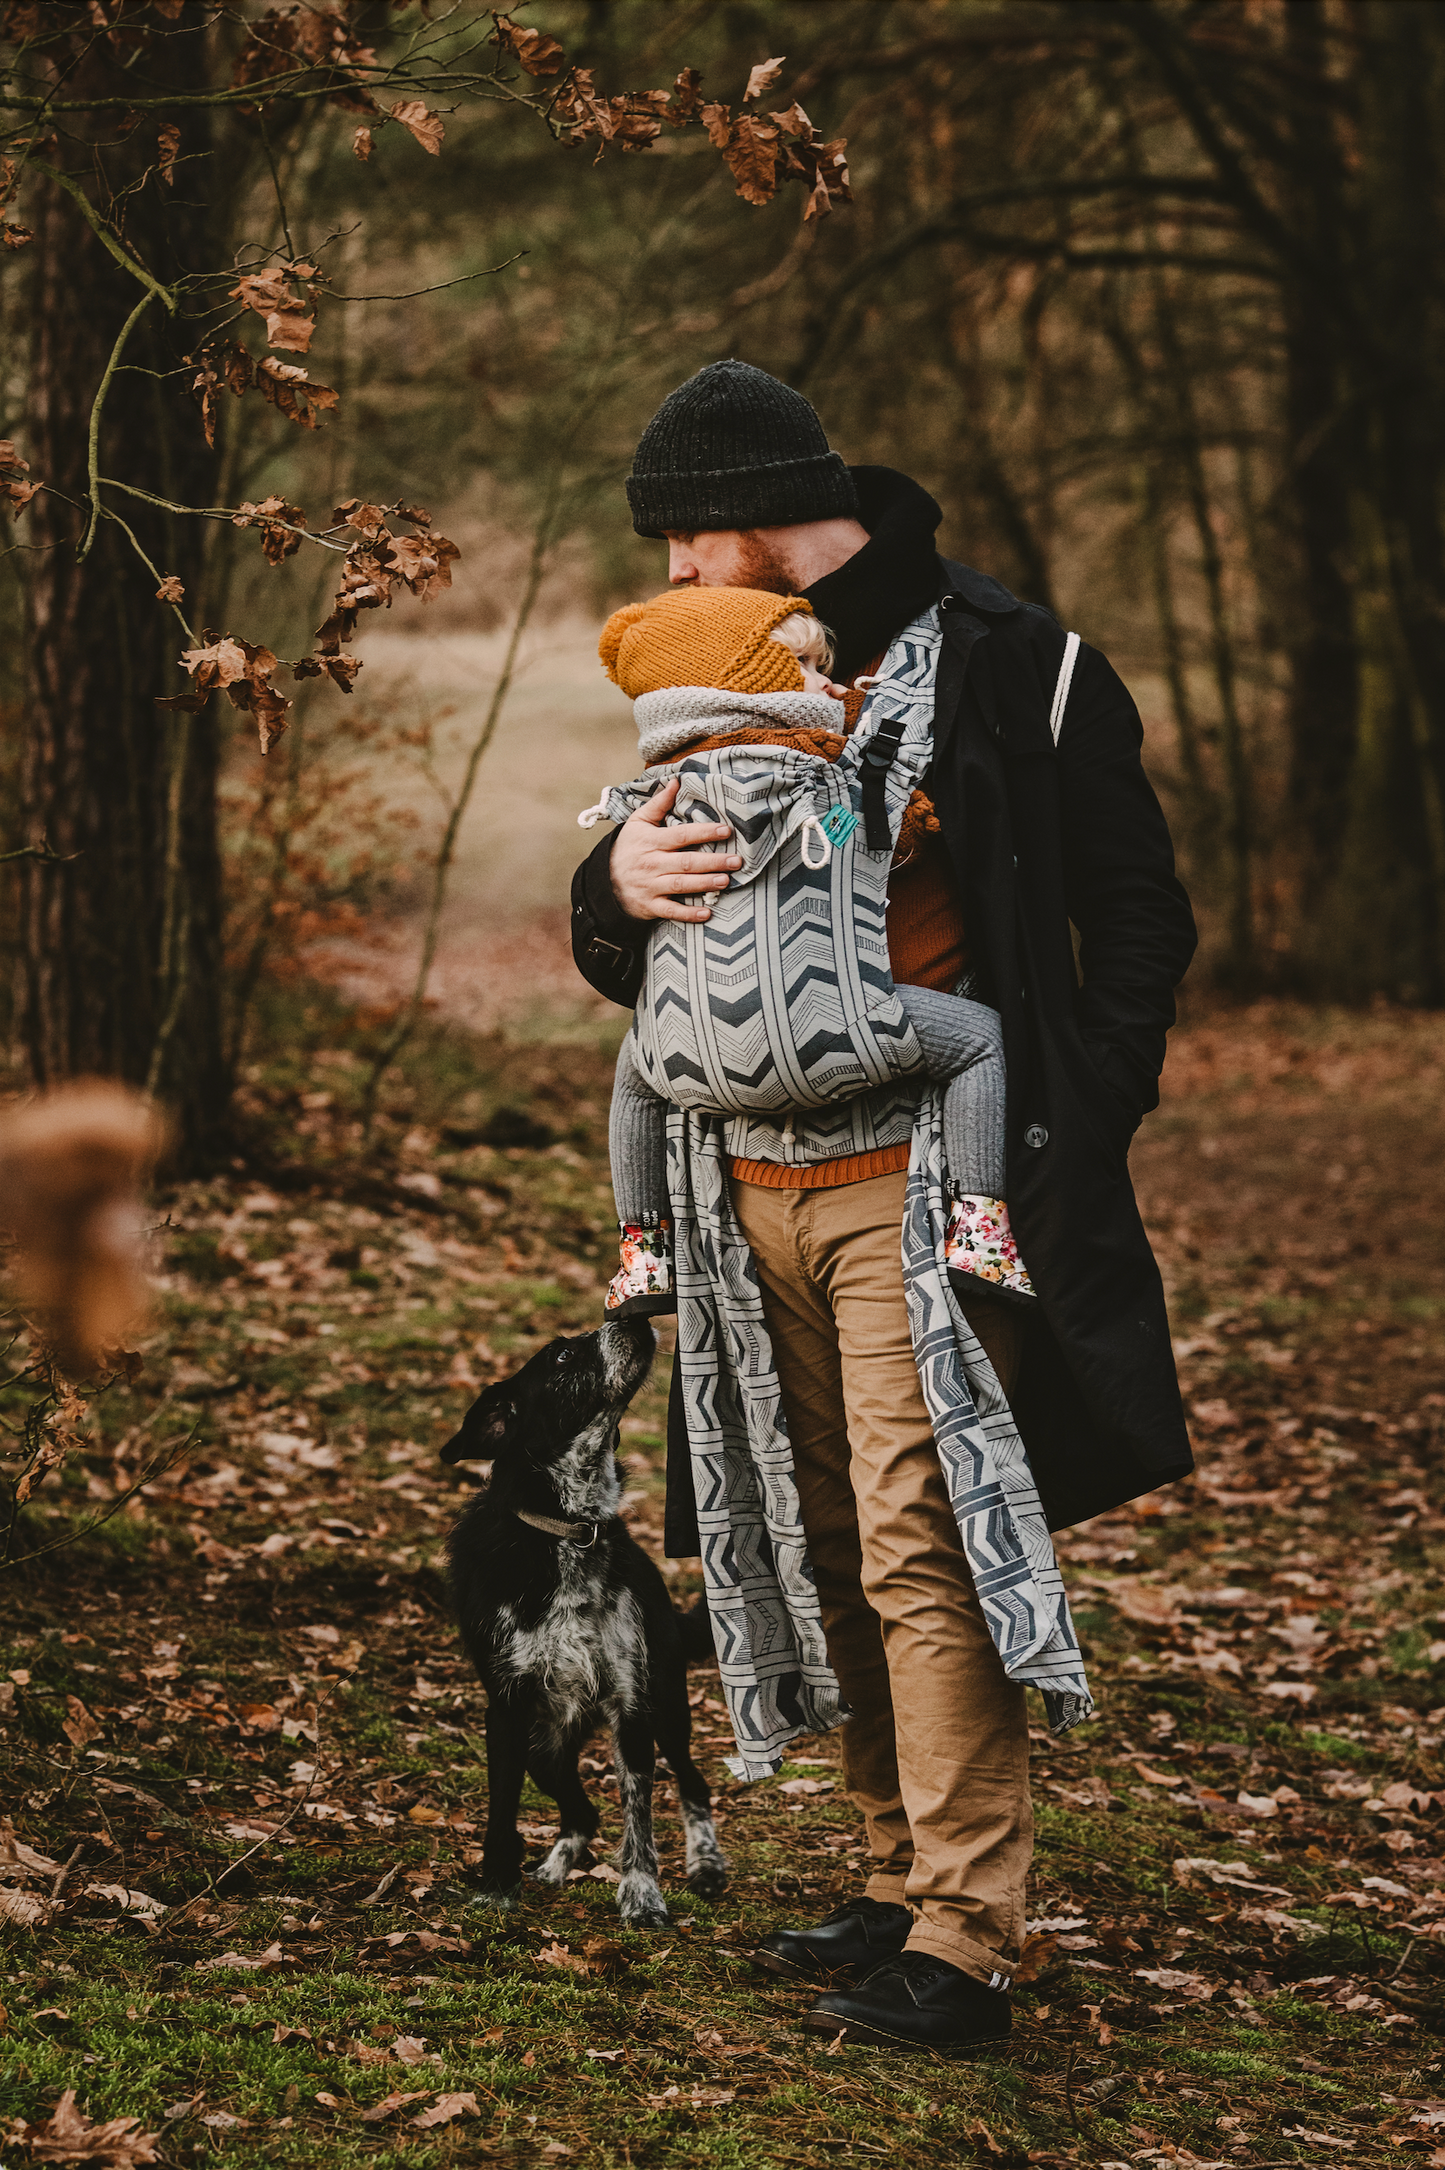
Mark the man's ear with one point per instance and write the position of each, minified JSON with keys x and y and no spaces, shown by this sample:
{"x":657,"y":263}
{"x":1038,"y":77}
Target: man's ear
{"x":484,"y":1430}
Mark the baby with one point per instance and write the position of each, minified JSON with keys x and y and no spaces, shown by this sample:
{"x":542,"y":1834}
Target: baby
{"x":733,"y":663}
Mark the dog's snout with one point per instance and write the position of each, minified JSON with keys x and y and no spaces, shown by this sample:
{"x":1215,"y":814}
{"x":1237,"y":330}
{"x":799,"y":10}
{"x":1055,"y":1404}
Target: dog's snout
{"x":628,"y":1347}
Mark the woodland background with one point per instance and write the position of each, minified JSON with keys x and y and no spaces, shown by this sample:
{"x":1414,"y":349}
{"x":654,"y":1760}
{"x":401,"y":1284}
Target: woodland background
{"x":1149,"y":296}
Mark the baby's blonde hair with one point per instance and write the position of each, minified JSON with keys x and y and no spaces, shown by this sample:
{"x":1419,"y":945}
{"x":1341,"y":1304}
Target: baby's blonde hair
{"x":809,"y":639}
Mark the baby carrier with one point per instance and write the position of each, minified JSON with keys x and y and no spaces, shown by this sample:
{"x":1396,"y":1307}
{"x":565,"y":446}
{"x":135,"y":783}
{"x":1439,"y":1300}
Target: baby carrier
{"x":783,"y":998}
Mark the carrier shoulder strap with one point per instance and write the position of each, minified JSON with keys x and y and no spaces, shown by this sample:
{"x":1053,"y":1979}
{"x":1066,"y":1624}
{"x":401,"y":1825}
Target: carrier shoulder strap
{"x":1061,"y":691}
{"x":879,"y":755}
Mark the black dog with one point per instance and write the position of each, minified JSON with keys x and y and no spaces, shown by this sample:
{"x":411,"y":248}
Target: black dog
{"x":569,"y":1622}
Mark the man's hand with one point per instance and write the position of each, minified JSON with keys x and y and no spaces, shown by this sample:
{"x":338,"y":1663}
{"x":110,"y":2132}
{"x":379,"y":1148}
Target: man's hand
{"x":651,"y":865}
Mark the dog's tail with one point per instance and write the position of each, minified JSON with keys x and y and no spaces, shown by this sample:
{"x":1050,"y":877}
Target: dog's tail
{"x":696,"y":1631}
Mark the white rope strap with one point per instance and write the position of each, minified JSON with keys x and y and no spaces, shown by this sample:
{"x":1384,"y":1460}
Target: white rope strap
{"x":1061,"y":690}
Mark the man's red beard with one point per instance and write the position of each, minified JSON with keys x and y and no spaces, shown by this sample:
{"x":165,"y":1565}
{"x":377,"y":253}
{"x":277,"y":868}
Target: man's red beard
{"x":759,"y":564}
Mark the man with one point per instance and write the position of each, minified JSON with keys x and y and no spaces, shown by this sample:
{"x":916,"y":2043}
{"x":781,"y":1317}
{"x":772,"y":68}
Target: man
{"x":735,"y":473}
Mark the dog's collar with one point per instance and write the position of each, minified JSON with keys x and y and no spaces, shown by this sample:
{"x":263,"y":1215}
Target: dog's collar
{"x":582,"y":1534}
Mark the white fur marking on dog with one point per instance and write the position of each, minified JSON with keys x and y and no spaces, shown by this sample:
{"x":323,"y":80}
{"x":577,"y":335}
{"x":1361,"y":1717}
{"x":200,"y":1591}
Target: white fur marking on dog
{"x":640,"y":1902}
{"x":584,"y":1655}
{"x":563,"y":1858}
{"x":586,"y":1475}
{"x":703,"y":1851}
{"x":624,"y":1365}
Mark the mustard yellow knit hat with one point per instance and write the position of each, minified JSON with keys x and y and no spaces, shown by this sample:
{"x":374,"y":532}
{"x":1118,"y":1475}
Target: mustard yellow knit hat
{"x":702,"y":637}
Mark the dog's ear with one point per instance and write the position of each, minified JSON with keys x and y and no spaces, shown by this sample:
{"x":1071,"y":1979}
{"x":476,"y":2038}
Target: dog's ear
{"x":485,"y":1428}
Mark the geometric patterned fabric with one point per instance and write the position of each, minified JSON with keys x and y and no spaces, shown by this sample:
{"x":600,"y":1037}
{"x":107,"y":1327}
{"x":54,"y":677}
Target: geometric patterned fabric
{"x":767,"y":1626}
{"x":782,"y":1002}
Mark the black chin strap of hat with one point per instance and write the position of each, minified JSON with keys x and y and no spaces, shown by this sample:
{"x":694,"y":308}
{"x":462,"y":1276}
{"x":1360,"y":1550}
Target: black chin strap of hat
{"x":879,"y":755}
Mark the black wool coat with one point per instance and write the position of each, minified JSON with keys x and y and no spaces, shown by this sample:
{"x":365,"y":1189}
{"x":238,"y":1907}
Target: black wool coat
{"x":1039,"y":837}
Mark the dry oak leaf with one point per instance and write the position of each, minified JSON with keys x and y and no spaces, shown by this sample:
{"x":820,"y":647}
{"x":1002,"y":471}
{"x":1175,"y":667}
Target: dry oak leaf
{"x":634,"y":119}
{"x":272,"y":1956}
{"x":170,"y":590}
{"x":365,"y":518}
{"x":423,"y":562}
{"x":13,"y":471}
{"x":390,"y":2104}
{"x":227,"y":364}
{"x":688,"y":92}
{"x":291,"y":391}
{"x":139,"y":1903}
{"x":220,"y":664}
{"x":78,"y":1725}
{"x":751,"y":156}
{"x":17,"y":1860}
{"x":279,"y":523}
{"x":428,"y":128}
{"x":68,"y":2135}
{"x":1187,"y":1869}
{"x":288,"y":321}
{"x":168,"y":137}
{"x":539,"y":54}
{"x":1039,"y":1954}
{"x":696,"y":2098}
{"x":293,"y":40}
{"x":763,"y":76}
{"x":361,"y":144}
{"x":341,"y":669}
{"x":16,"y":236}
{"x":23,"y":1908}
{"x":245,"y":673}
{"x":558,"y":1955}
{"x":445,"y":2110}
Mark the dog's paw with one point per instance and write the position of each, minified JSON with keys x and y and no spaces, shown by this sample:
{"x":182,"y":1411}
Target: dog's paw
{"x":561,"y":1861}
{"x":649,"y":1917}
{"x":641,"y":1904}
{"x":708,"y":1879}
{"x":495,"y":1900}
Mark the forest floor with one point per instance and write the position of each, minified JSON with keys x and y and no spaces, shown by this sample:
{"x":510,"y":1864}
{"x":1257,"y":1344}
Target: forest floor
{"x":241,"y":1734}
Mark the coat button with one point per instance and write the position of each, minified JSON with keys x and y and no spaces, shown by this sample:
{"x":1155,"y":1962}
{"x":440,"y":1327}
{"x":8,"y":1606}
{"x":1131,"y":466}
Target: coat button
{"x":1036,"y":1135}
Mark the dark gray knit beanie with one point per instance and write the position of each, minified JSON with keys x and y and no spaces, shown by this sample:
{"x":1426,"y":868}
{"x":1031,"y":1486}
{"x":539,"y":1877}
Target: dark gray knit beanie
{"x":735,"y":448}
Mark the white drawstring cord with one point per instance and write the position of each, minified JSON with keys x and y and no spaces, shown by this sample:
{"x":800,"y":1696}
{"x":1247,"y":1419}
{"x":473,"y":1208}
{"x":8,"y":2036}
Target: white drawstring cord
{"x":815,"y":825}
{"x":591,"y":815}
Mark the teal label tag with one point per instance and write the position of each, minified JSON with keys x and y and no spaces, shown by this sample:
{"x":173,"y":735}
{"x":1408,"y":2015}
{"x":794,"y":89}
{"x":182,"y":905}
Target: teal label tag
{"x":838,"y":824}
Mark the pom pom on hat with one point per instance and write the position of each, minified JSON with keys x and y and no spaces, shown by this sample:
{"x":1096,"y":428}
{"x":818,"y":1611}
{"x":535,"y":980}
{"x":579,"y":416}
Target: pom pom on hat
{"x":611,"y":642}
{"x":691,"y":636}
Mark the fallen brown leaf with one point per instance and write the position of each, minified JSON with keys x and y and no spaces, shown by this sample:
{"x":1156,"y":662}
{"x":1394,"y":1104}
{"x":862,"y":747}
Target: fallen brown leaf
{"x":389,"y":2105}
{"x":445,"y":2110}
{"x":68,"y":2135}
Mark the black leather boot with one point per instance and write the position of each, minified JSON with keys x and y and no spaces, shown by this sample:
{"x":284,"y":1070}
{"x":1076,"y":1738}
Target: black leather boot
{"x":915,"y":2002}
{"x":846,"y":1943}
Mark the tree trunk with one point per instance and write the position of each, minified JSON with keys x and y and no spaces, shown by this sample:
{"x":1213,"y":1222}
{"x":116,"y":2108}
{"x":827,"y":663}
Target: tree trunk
{"x":1405,"y":59}
{"x":1322,"y":443}
{"x":121,"y":944}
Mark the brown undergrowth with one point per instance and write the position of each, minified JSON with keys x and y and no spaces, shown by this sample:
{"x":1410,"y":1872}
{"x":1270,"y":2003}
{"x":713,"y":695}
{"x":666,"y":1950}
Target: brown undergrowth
{"x":243,"y":1757}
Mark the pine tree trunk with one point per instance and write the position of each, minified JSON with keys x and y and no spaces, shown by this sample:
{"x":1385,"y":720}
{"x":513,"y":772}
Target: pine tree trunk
{"x":122,"y":943}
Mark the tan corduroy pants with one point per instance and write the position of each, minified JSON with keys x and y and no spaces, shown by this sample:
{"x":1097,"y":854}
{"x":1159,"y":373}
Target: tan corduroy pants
{"x":936,"y":1754}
